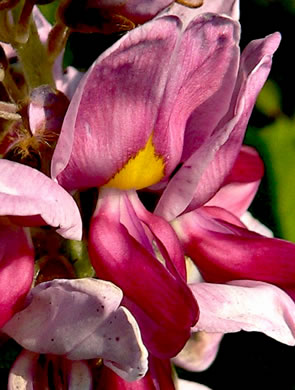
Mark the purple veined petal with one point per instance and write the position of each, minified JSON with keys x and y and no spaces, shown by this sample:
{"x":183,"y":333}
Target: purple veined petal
{"x":117,"y":256}
{"x":246,"y":305}
{"x":203,"y":73}
{"x":188,"y":385}
{"x":21,"y":375}
{"x":202,"y":174}
{"x":26,"y":192}
{"x":16,"y":269}
{"x":159,"y":102}
{"x":120,"y":94}
{"x":81,"y":319}
{"x":199,"y":352}
{"x":242,"y":183}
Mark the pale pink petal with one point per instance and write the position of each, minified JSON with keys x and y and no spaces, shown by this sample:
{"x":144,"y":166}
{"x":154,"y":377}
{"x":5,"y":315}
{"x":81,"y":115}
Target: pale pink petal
{"x":199,"y":351}
{"x":21,"y":375}
{"x":246,"y":305}
{"x":26,"y":192}
{"x":203,"y":173}
{"x":187,"y":385}
{"x":42,"y":24}
{"x":255,"y":225}
{"x":16,"y":269}
{"x":80,"y":376}
{"x":68,"y":81}
{"x":81,"y":319}
{"x":28,"y":370}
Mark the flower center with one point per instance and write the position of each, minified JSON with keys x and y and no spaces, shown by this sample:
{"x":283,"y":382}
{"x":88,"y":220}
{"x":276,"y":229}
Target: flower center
{"x":140,"y":171}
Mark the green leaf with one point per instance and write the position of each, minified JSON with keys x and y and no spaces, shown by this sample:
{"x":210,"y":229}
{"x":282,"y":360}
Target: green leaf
{"x":278,"y":140}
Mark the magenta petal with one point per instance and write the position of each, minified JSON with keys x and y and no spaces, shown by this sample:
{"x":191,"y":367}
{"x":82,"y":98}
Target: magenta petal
{"x":26,"y":192}
{"x":81,"y":319}
{"x":16,"y":270}
{"x":223,"y":251}
{"x":241,"y":184}
{"x":126,"y":261}
{"x":246,"y":305}
{"x":203,"y":173}
{"x":164,"y":235}
{"x":114,"y":110}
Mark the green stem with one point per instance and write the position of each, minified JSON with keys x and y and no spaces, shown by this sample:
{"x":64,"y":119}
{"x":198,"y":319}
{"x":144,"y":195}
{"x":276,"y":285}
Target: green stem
{"x":34,"y":59}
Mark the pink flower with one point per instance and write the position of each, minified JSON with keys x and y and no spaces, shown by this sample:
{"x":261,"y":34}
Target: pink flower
{"x":167,"y":95}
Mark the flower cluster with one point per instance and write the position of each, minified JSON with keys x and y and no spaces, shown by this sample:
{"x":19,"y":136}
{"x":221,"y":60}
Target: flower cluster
{"x":125,"y":241}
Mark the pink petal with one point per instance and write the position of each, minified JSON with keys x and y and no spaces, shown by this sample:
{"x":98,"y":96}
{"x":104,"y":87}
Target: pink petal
{"x":199,"y":352}
{"x":26,"y":192}
{"x":164,"y":235}
{"x":203,"y":73}
{"x":187,"y":385}
{"x":256,"y":226}
{"x":160,"y":98}
{"x":123,"y":257}
{"x":68,"y":81}
{"x":241,"y":184}
{"x":16,"y":270}
{"x":137,"y":10}
{"x":119,"y":95}
{"x":21,"y":375}
{"x":246,"y":305}
{"x":230,"y":8}
{"x":223,"y":251}
{"x":203,"y":173}
{"x":81,"y":319}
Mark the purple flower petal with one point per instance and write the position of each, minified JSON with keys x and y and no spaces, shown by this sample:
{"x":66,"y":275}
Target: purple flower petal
{"x":81,"y":319}
{"x":203,"y":173}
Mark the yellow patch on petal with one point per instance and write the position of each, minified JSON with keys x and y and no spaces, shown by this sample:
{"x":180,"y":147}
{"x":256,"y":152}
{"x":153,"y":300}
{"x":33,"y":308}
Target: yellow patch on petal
{"x":140,"y":171}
